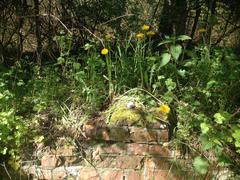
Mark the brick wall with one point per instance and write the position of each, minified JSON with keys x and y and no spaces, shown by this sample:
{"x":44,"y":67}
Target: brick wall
{"x":109,"y":153}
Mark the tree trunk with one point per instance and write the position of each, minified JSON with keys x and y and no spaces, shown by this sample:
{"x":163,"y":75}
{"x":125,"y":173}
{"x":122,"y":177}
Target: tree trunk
{"x":210,"y":22}
{"x":166,"y":21}
{"x":38,"y":33}
{"x":179,"y":16}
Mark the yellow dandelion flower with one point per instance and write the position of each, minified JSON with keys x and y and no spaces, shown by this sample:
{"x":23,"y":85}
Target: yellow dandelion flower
{"x":151,"y":33}
{"x":202,"y":30}
{"x":145,"y":27}
{"x":139,"y":35}
{"x":164,"y":108}
{"x":104,"y":51}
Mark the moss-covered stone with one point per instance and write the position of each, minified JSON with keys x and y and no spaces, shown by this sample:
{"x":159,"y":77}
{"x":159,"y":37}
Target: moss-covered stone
{"x":125,"y":116}
{"x":135,"y":116}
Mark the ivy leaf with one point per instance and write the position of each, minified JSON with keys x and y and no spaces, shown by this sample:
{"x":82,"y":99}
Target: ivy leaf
{"x":165,"y":58}
{"x":200,"y":165}
{"x":176,"y":51}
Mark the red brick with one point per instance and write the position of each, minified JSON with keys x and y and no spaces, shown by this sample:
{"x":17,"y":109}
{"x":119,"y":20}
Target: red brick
{"x":159,"y":150}
{"x":49,"y":161}
{"x":90,"y":129}
{"x":160,"y":175}
{"x":143,"y":135}
{"x":119,"y":134}
{"x":110,"y":174}
{"x":113,"y":134}
{"x":121,"y":162}
{"x":58,"y":175}
{"x":105,"y":162}
{"x":103,"y":134}
{"x":129,"y":162}
{"x":157,"y":163}
{"x":89,"y":174}
{"x":43,"y":174}
{"x":163,"y":135}
{"x":135,"y":175}
{"x":66,"y":151}
{"x":112,"y":149}
{"x":69,"y":160}
{"x":157,"y":125}
{"x":48,"y":174}
{"x":137,"y":149}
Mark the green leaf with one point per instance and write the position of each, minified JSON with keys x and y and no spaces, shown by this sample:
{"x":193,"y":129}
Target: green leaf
{"x":76,"y":66}
{"x":183,"y":38}
{"x":236,"y":133}
{"x":206,"y":142}
{"x":165,"y":42}
{"x":222,"y":117}
{"x":168,"y":97}
{"x":20,"y":83}
{"x":60,"y":60}
{"x":176,"y":51}
{"x":204,"y":127}
{"x":182,"y":72}
{"x":236,"y":136}
{"x":200,"y":165}
{"x":87,"y":46}
{"x":170,"y":84}
{"x":218,"y":150}
{"x":38,"y":139}
{"x":165,"y":58}
{"x":190,"y":63}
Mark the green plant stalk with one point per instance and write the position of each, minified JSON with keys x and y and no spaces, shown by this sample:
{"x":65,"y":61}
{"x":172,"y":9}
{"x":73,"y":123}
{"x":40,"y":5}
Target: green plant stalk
{"x":109,"y":74}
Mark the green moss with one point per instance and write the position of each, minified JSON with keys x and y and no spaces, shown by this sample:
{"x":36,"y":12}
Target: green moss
{"x":136,"y":116}
{"x":129,"y":116}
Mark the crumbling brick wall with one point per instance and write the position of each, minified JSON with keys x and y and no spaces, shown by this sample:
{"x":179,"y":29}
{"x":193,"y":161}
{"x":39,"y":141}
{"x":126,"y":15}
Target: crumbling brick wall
{"x":109,"y":153}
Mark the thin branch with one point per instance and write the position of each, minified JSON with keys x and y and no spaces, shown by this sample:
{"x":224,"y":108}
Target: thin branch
{"x":236,"y":112}
{"x":226,"y":34}
{"x":56,"y":18}
{"x":70,"y":32}
{"x":116,"y":18}
{"x":93,"y":35}
{"x":5,"y":168}
{"x":155,"y":10}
